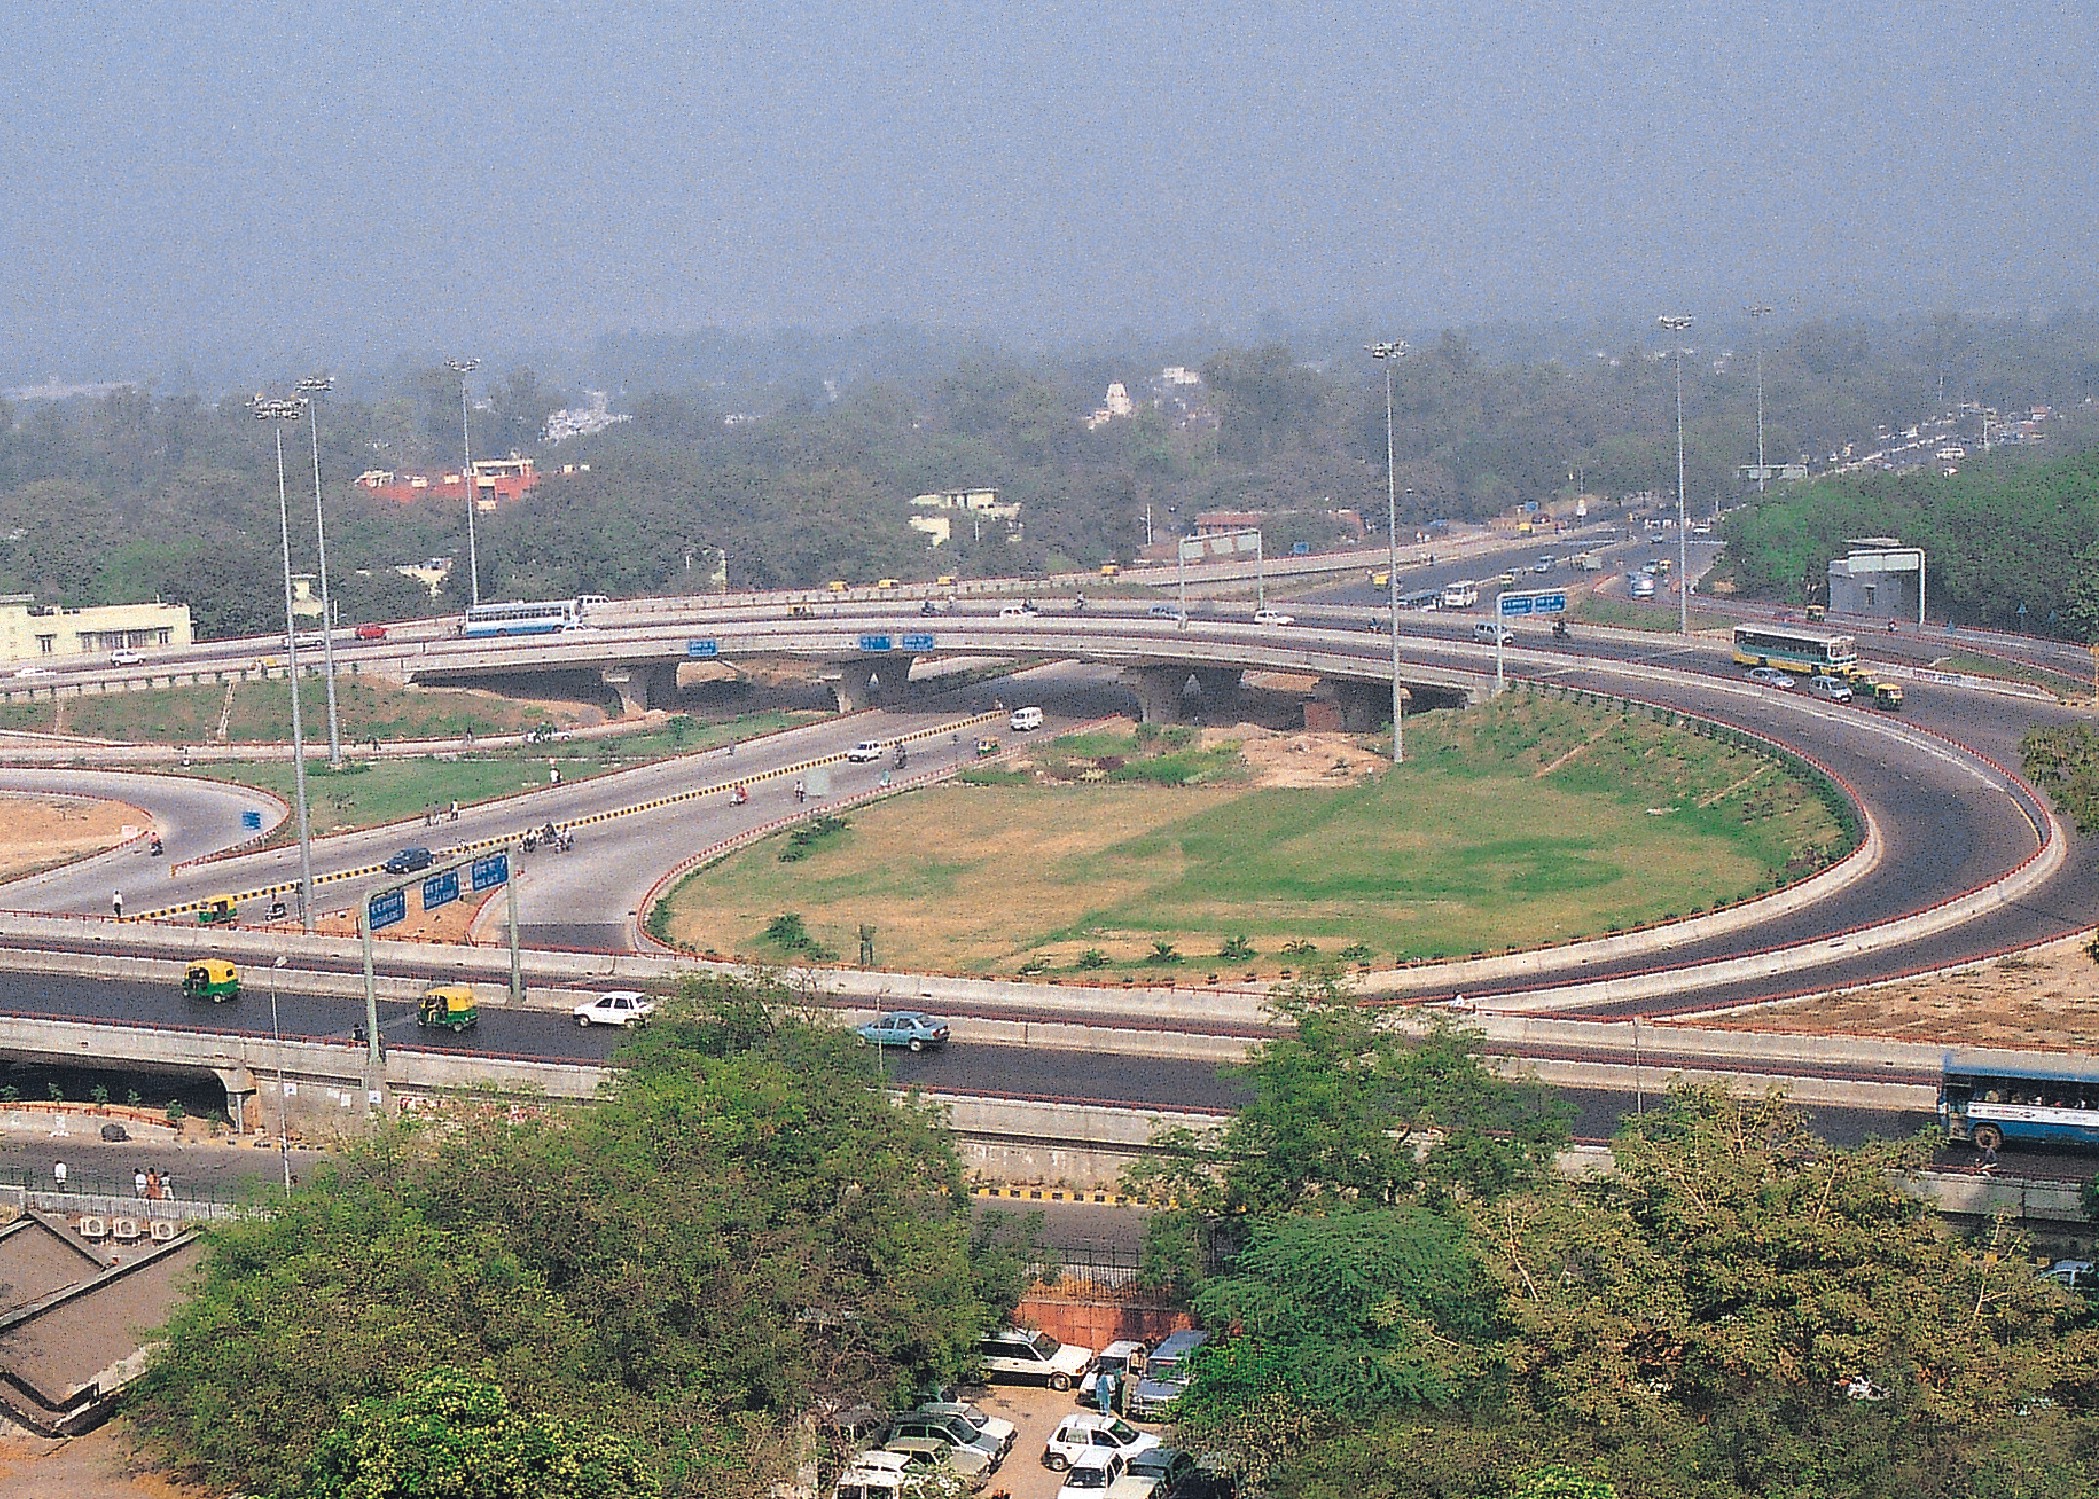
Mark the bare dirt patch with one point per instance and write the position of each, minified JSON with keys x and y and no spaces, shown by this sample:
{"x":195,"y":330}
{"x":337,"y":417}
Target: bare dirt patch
{"x":99,"y":1465}
{"x":1299,"y":758}
{"x":2046,"y":999}
{"x":42,"y":832}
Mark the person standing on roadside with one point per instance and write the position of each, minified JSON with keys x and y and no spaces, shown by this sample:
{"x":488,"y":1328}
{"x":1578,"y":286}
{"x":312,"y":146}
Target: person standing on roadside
{"x":116,"y":904}
{"x":138,"y":1182}
{"x":58,"y":1174}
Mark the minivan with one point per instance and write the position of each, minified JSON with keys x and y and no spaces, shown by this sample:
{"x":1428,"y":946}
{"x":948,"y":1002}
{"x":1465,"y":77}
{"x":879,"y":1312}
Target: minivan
{"x":1025,"y":719}
{"x":1493,"y":634}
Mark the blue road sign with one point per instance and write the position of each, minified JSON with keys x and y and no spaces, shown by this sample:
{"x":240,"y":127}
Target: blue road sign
{"x":702,"y":650}
{"x":918,"y":642}
{"x":252,"y":821}
{"x":1516,"y":605}
{"x":490,"y":871}
{"x":440,"y":889}
{"x":389,"y":907}
{"x":876,"y":643}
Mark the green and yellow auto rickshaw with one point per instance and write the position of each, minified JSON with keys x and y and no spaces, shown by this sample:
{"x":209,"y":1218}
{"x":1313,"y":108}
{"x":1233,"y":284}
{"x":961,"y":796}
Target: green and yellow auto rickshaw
{"x":1887,"y":696}
{"x":214,"y":979}
{"x":219,"y":910}
{"x":449,"y":1006}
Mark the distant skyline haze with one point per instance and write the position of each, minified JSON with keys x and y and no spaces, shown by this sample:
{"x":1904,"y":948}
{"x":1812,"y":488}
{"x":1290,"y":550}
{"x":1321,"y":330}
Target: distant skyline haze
{"x":225,"y":186}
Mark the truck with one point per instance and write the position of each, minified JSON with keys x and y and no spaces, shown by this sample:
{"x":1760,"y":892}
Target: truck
{"x":1587,"y":562}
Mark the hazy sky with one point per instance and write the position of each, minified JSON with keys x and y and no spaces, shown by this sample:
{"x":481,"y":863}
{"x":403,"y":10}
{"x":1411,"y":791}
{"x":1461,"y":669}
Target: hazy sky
{"x":205,"y":181}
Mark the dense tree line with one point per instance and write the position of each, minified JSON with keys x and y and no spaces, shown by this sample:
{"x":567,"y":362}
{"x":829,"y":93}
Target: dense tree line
{"x":661,"y":1285}
{"x":138,"y":495}
{"x":1408,"y":1302}
{"x":2009,"y":541}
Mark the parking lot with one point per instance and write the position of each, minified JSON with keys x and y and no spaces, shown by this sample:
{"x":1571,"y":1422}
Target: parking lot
{"x":1035,"y":1411}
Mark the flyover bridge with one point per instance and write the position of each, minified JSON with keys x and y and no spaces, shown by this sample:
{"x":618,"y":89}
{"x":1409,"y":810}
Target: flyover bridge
{"x":1175,"y":669}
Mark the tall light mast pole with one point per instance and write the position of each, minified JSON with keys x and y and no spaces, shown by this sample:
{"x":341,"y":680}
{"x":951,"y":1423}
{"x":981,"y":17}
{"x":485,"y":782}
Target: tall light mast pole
{"x":313,"y":388}
{"x":1389,"y":354}
{"x":1678,"y":323}
{"x":277,"y":413}
{"x":461,"y":368}
{"x":1757,"y":313}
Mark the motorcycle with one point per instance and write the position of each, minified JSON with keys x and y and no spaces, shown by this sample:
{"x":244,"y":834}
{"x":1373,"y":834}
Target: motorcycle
{"x":901,"y":757}
{"x":1559,"y":629}
{"x":739,"y":796}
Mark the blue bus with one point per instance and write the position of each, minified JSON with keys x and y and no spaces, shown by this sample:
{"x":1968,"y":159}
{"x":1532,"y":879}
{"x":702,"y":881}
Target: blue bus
{"x":484,"y":620}
{"x":1986,"y":1104}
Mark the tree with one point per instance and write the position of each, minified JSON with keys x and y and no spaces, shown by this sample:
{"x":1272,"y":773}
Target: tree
{"x":1348,"y":1112}
{"x":449,"y":1436}
{"x":747,"y":1228}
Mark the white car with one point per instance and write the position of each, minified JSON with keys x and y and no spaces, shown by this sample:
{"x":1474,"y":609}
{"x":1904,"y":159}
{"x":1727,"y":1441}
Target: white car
{"x":1091,"y":1475}
{"x":1830,"y":689}
{"x":1771,"y":676}
{"x":1084,"y":1431}
{"x":126,"y":658}
{"x":865,"y":751}
{"x":616,"y":1007}
{"x":1020,"y":1354}
{"x":999,"y":1433}
{"x":33,"y":671}
{"x":1491,"y":634}
{"x":1273,"y":617}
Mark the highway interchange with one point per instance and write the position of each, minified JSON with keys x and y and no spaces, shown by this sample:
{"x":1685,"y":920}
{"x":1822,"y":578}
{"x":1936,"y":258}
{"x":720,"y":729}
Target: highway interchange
{"x":1947,"y":825}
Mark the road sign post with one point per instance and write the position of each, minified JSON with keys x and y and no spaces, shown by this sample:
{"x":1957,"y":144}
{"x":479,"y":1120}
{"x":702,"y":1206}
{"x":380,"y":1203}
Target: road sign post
{"x":1509,"y":606}
{"x":388,"y":906}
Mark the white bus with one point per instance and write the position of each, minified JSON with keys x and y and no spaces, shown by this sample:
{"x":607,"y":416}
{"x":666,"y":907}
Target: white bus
{"x":484,"y":620}
{"x":1809,"y":651}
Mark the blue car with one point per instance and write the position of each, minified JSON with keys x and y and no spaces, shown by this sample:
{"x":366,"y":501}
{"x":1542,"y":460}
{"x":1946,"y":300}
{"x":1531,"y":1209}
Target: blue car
{"x":908,"y":1029}
{"x":409,"y":860}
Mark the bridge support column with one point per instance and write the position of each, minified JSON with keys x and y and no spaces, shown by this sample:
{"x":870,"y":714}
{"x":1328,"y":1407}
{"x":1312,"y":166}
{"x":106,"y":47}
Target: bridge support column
{"x":241,"y":1091}
{"x":641,"y":688}
{"x":1159,"y":691}
{"x":1219,"y":699}
{"x":1352,"y":707}
{"x":854,"y":688}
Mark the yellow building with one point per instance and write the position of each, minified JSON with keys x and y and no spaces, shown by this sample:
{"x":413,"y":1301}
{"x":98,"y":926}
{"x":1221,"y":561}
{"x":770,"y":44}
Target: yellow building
{"x":32,"y":632}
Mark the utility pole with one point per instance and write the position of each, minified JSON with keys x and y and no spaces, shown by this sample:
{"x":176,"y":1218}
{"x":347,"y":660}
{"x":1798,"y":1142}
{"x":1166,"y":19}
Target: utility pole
{"x":1757,"y":313}
{"x":1678,"y":323}
{"x":1389,"y":354}
{"x":462,"y":368}
{"x":313,"y":388}
{"x":277,"y":413}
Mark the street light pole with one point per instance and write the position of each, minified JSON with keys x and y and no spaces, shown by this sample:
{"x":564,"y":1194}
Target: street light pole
{"x":1757,"y":313}
{"x":462,"y":367}
{"x":277,"y":413}
{"x":313,"y":388}
{"x":284,"y":1145}
{"x":1391,"y":353}
{"x":1678,"y":323}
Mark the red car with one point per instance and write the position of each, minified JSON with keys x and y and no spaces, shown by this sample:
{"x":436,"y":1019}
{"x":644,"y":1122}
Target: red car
{"x":371,"y":632}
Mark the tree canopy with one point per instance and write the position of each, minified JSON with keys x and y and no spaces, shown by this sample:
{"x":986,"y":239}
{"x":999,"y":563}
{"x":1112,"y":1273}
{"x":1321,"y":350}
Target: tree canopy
{"x":746,"y":1230}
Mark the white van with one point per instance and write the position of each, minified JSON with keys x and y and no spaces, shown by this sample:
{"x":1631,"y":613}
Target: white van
{"x":1025,"y":719}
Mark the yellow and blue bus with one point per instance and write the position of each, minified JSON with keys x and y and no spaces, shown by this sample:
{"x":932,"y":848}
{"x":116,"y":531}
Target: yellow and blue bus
{"x":1806,"y":651}
{"x":1986,"y":1104}
{"x":518,"y":619}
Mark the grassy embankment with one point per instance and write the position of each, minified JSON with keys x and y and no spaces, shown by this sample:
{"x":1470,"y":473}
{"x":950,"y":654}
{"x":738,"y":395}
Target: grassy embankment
{"x":1534,"y":820}
{"x":261,"y":713}
{"x":367,"y":793}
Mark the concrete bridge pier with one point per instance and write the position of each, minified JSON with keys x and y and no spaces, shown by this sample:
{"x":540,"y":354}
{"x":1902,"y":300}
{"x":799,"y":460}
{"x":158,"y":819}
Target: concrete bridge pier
{"x":640,"y":688}
{"x":854,"y":688}
{"x":1159,"y":691}
{"x":242,"y":1096}
{"x":1362,"y":706}
{"x":1217,"y":699}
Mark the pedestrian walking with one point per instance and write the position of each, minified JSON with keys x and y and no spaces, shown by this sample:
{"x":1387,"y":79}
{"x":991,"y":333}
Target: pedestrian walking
{"x":167,"y":1185}
{"x":1989,"y":1160}
{"x":138,"y":1182}
{"x":153,"y":1185}
{"x":116,"y":904}
{"x":58,"y":1174}
{"x":553,"y":775}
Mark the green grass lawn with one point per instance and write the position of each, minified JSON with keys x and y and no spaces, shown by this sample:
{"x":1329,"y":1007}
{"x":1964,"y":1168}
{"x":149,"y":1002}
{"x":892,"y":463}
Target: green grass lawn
{"x":372,"y":792}
{"x":262,"y":713}
{"x":1660,"y":618}
{"x":1529,"y":821}
{"x":2003,"y":670}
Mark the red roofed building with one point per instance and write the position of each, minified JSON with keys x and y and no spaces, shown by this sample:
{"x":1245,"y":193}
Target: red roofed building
{"x":495,"y":481}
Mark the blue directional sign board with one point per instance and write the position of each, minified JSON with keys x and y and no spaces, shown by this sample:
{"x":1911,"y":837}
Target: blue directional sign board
{"x":440,"y":889}
{"x":877,"y":643}
{"x":918,"y":642}
{"x":1516,"y":605}
{"x":702,"y":650}
{"x":389,"y":908}
{"x":252,"y":821}
{"x":490,"y":871}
